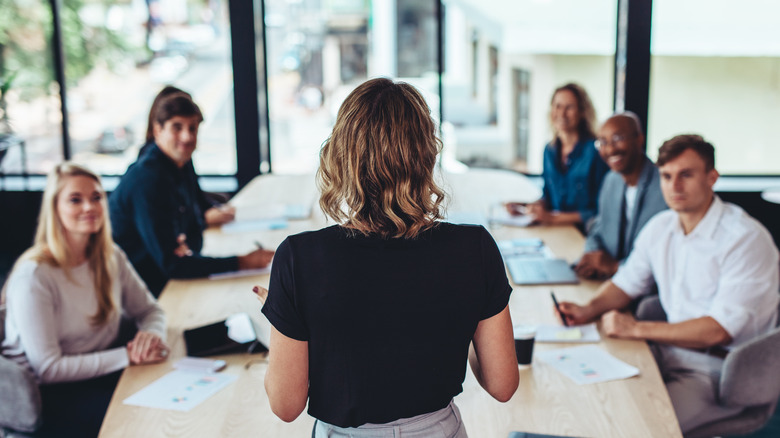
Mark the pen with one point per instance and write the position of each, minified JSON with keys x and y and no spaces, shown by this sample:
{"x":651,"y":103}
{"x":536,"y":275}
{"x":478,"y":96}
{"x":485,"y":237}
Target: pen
{"x":258,"y":245}
{"x":558,"y":308}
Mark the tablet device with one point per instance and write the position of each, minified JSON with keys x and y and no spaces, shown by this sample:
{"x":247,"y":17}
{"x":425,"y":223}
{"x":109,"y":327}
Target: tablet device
{"x":531,"y":271}
{"x":236,"y":334}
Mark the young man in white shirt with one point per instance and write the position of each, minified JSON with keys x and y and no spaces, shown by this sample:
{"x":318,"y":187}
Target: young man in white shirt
{"x":717,"y":274}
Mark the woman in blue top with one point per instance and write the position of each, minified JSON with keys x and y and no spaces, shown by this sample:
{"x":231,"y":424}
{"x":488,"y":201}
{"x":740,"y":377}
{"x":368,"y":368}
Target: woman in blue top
{"x":573,"y":170}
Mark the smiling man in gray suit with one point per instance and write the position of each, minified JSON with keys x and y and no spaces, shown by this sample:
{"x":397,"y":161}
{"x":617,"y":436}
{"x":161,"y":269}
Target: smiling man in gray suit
{"x":630,"y":196}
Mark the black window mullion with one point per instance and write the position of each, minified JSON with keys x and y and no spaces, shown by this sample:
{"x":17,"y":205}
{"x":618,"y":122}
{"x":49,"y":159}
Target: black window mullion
{"x":59,"y":72}
{"x":247,"y":116}
{"x":632,"y":57}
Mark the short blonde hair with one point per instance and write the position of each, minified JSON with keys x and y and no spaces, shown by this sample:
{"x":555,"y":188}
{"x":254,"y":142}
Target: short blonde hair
{"x":51,"y":247}
{"x":376,"y":168}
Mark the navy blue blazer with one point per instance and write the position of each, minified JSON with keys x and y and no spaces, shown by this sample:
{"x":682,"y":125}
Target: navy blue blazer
{"x":155,"y":202}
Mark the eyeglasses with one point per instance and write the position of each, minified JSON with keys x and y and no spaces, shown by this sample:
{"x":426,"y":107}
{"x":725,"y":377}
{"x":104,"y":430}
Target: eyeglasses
{"x":601,"y":142}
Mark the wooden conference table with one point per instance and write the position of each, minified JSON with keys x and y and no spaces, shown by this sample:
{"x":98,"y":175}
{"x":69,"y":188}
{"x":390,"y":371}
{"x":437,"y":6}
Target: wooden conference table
{"x":545,"y":402}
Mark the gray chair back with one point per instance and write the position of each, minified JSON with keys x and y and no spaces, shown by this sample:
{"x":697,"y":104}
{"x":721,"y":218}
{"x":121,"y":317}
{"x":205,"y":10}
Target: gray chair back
{"x":20,"y":398}
{"x":748,"y":379}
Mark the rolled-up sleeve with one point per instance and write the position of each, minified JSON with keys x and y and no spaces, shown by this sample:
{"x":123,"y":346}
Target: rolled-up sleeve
{"x":747,"y":297}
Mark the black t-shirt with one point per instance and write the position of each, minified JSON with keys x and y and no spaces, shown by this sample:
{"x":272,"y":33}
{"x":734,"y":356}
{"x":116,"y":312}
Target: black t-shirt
{"x":388,"y":321}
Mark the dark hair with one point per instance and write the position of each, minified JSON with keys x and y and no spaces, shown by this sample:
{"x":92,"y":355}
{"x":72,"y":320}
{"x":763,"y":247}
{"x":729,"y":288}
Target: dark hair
{"x":675,"y":146}
{"x":376,"y":169}
{"x":586,"y":127}
{"x":176,"y":104}
{"x":166,"y":91}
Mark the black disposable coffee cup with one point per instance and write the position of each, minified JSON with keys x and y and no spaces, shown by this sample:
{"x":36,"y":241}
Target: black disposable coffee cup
{"x":524,"y":344}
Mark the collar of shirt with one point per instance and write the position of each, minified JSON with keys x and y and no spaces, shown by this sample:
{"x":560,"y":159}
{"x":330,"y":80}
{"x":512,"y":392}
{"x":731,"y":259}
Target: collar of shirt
{"x":578,"y":150}
{"x":708,"y":224}
{"x":156,"y":154}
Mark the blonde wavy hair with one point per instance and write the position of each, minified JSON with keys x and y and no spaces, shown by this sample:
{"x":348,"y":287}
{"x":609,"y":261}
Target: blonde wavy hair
{"x":376,"y":168}
{"x":50,"y":245}
{"x":586,"y":128}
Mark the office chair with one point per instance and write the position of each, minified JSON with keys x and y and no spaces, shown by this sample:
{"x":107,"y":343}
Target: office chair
{"x":20,"y":399}
{"x":748,"y":379}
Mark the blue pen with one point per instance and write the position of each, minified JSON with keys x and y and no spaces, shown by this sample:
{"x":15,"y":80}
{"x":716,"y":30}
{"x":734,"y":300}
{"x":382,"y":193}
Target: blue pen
{"x":558,"y":308}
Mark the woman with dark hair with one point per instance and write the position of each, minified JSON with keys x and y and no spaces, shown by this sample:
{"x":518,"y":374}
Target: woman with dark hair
{"x":158,"y":209}
{"x":215,"y":213}
{"x":66,"y":296}
{"x":375,"y":318}
{"x":573,"y":169}
{"x":165,"y":92}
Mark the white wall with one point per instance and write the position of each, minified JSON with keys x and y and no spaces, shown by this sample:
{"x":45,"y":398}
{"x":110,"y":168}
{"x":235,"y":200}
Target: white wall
{"x":734,"y":103}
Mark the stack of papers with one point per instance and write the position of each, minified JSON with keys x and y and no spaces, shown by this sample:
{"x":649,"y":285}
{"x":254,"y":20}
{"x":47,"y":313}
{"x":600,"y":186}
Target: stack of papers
{"x":587,"y":364}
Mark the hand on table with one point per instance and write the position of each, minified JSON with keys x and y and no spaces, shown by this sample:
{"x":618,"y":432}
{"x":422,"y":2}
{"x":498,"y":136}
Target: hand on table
{"x":516,"y":208}
{"x":220,"y":214}
{"x":597,"y":265}
{"x":259,"y":258}
{"x":146,"y":348}
{"x":182,"y":250}
{"x":619,"y":324}
{"x":540,"y":214}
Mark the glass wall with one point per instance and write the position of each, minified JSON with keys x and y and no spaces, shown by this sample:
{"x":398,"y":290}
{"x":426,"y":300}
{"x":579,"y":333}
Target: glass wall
{"x":320,"y":50}
{"x":119,"y":54}
{"x":30,"y":116}
{"x":502,"y":61}
{"x":715,"y":71}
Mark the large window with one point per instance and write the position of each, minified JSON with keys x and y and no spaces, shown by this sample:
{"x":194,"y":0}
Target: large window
{"x":716,"y":72}
{"x":504,"y":58}
{"x":119,"y":54}
{"x":30,"y":117}
{"x":319,"y":51}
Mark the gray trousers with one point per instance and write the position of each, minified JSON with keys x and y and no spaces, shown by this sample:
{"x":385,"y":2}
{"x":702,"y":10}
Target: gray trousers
{"x":692,"y":379}
{"x":444,"y":423}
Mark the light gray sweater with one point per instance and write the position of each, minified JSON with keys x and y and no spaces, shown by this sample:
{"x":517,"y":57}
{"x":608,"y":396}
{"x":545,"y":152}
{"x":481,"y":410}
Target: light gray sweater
{"x":48,"y":325}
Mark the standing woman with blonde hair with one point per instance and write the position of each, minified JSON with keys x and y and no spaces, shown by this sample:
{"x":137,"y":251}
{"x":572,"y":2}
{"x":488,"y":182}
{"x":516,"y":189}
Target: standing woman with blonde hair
{"x":375,"y":318}
{"x":65,"y":298}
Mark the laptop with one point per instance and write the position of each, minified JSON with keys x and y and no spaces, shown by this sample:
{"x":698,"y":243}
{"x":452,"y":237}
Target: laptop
{"x":537,"y":270}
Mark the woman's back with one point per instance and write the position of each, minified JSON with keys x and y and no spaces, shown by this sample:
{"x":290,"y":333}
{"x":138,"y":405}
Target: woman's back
{"x":388,"y":321}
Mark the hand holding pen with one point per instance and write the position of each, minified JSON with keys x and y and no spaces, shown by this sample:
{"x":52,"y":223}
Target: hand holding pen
{"x":571,"y":314}
{"x":561,"y":315}
{"x":259,"y":258}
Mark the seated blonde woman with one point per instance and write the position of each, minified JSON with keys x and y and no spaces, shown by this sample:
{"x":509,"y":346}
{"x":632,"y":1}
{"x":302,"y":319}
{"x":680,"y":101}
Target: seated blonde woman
{"x":373,"y":318}
{"x":65,"y":298}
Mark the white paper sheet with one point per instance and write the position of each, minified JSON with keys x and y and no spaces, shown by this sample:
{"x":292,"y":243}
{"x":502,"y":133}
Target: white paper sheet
{"x":587,"y":364}
{"x":559,"y":333}
{"x":274,"y":211}
{"x":502,"y":217}
{"x":254,"y":225}
{"x":180,"y":390}
{"x":525,"y":247}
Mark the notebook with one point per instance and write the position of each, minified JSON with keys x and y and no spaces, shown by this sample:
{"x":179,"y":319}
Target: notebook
{"x":528,"y":271}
